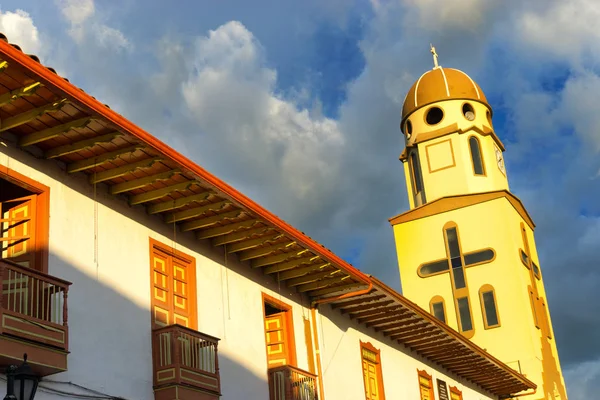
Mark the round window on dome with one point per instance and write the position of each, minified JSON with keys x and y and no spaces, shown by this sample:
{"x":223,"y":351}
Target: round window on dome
{"x":434,"y":115}
{"x":408,"y":127}
{"x":468,"y":111}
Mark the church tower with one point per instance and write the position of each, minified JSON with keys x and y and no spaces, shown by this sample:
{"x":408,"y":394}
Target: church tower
{"x":466,"y":248}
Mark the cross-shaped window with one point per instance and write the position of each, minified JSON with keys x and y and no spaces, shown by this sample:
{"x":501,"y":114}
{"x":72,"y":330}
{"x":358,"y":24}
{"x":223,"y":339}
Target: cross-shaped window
{"x":455,"y":263}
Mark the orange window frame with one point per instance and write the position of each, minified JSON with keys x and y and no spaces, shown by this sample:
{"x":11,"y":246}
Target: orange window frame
{"x":289,"y":319}
{"x":191,"y":262}
{"x":42,"y":229}
{"x":455,"y":394}
{"x":423,"y":376}
{"x":368,"y":346}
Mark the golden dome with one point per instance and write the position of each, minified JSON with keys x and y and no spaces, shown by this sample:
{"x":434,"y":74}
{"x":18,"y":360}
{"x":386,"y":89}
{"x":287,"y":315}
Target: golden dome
{"x":441,"y":84}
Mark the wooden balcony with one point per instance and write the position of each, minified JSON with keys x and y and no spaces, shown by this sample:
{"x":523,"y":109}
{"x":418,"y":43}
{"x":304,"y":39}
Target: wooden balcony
{"x":33,"y":319}
{"x":291,"y":383}
{"x":186,"y":364}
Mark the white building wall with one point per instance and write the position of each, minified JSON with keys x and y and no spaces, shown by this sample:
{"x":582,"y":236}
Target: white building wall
{"x":101,"y":245}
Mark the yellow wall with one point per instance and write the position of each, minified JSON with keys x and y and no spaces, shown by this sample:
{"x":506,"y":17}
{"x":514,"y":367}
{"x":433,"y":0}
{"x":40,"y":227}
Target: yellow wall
{"x":494,"y":224}
{"x":445,"y":161}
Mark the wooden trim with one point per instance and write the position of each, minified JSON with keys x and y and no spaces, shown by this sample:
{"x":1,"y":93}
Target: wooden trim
{"x":42,"y":220}
{"x":315,"y":332}
{"x":186,"y":258}
{"x":451,"y":152}
{"x":423,"y":374}
{"x":546,"y":318}
{"x":451,"y":203}
{"x":485,"y":289}
{"x":480,"y":155}
{"x":454,"y":391}
{"x":289,"y":323}
{"x":438,"y":299}
{"x":309,"y":345}
{"x":368,"y":346}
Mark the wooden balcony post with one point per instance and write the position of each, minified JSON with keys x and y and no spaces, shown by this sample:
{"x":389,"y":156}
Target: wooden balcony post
{"x":65,"y":308}
{"x":177,"y":353}
{"x":1,"y":284}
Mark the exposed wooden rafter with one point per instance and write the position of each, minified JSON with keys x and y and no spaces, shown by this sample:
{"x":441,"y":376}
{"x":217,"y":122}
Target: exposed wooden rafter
{"x":142,"y":182}
{"x":360,"y":300}
{"x":391,"y":319}
{"x":321,"y":283}
{"x":367,"y":306}
{"x":251,"y":243}
{"x":335,"y":289}
{"x":223,"y":230}
{"x":261,"y":262}
{"x":298,"y":272}
{"x":82,"y":165}
{"x":195,"y":212}
{"x":160,"y":193}
{"x":27,"y":116}
{"x":238,"y":236}
{"x":24,"y":91}
{"x":404,"y":325}
{"x":289,"y":264}
{"x":123,"y":170}
{"x":263,"y":251}
{"x":81,"y":145}
{"x":3,"y":66}
{"x":178,"y":203}
{"x":311,"y":277}
{"x":208,"y":221}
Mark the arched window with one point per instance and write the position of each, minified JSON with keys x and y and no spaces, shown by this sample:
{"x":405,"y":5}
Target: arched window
{"x":489,"y":308}
{"x":417,"y":178}
{"x":438,"y":308}
{"x":476,"y":158}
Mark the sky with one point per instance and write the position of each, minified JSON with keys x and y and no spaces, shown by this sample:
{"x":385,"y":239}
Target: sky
{"x":297,"y":104}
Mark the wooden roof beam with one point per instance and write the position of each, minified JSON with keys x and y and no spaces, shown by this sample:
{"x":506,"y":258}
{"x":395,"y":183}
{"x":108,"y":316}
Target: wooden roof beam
{"x":70,"y":148}
{"x":82,"y":165}
{"x":28,"y":116}
{"x":208,"y":221}
{"x":404,"y":326}
{"x":264,"y":251}
{"x":325,"y":291}
{"x":299,"y":272}
{"x":236,"y":237}
{"x":3,"y":66}
{"x":404,"y":329}
{"x":284,"y":266}
{"x":142,"y":182}
{"x":393,"y":320}
{"x":252,"y":243}
{"x":311,"y":277}
{"x":223,"y":230}
{"x":425,"y":334}
{"x":15,"y":94}
{"x":360,"y":300}
{"x":367,"y":306}
{"x":113,"y":173}
{"x":322,"y":283}
{"x":433,"y":353}
{"x":429,"y":344}
{"x":261,"y":262}
{"x":368,"y":313}
{"x":195,"y":212}
{"x":181,"y":202}
{"x":382,"y":316}
{"x":160,"y":193}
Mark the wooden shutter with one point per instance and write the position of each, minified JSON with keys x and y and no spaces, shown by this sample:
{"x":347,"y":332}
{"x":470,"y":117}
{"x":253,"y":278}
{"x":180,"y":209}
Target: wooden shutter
{"x":277,"y":343}
{"x":17,"y":233}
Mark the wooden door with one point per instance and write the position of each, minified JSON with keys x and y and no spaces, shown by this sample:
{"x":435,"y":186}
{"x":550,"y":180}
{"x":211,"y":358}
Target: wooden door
{"x":173,"y":281}
{"x":278,"y":352}
{"x":371,"y":380}
{"x":17,"y":232}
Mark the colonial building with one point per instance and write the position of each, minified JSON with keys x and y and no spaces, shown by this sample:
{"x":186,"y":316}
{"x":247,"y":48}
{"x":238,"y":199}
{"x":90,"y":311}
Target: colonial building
{"x":128,"y":271}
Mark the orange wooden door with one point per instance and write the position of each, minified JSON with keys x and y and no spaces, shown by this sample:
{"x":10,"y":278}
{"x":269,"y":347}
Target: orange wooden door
{"x":17,"y":232}
{"x":172,"y":291}
{"x":425,"y":385}
{"x":278,"y":353}
{"x":371,"y":380}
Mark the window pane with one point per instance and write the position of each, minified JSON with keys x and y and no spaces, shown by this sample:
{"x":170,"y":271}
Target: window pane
{"x":536,"y":270}
{"x":434,"y":267}
{"x":476,"y":156}
{"x":489,"y":304}
{"x":459,"y":278}
{"x":452,"y":238}
{"x":524,"y":258}
{"x":416,"y":172}
{"x":479,"y":257}
{"x":465,"y":314}
{"x":438,"y":311}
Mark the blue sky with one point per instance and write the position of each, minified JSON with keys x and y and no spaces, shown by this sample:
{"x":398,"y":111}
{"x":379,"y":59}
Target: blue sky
{"x":315,"y":88}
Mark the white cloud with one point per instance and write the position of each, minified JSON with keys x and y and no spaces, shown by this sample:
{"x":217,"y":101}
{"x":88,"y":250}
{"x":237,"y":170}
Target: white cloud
{"x":19,"y":28}
{"x":77,"y":11}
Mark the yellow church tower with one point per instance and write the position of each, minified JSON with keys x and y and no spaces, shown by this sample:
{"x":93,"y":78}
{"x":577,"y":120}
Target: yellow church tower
{"x":466,"y":248}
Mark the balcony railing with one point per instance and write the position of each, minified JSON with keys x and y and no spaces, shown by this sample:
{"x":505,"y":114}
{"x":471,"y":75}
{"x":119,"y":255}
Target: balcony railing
{"x":33,"y":305}
{"x":291,"y":383}
{"x":183,"y":356}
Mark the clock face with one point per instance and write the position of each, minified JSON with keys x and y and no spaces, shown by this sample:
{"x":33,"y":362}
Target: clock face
{"x":499,"y":160}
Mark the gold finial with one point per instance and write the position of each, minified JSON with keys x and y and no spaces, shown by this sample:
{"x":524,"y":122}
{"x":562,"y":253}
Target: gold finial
{"x":435,"y":56}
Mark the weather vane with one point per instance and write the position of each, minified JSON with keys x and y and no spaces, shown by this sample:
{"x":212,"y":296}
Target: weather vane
{"x":435,"y":56}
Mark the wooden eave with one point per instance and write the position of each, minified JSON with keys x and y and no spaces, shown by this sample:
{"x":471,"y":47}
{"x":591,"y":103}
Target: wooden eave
{"x":50,"y":116}
{"x":449,"y":203}
{"x":435,"y":341}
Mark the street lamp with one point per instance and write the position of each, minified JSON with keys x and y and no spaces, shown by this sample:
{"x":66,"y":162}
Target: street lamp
{"x":23,"y":380}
